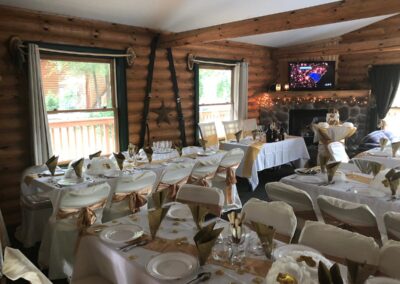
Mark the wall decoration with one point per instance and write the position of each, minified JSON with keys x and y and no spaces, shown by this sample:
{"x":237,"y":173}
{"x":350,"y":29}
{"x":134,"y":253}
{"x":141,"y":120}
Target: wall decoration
{"x":163,"y":113}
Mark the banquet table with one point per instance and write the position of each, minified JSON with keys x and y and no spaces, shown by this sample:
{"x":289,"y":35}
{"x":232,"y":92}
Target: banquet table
{"x":273,"y":154}
{"x":98,"y":257}
{"x":384,"y":157}
{"x":346,"y":189}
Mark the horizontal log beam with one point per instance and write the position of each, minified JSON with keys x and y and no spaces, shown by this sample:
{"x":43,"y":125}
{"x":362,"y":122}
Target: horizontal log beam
{"x":307,"y":17}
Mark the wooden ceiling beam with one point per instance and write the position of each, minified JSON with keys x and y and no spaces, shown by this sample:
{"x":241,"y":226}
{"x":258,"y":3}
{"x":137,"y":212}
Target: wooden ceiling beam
{"x":369,"y":46}
{"x":341,"y":11}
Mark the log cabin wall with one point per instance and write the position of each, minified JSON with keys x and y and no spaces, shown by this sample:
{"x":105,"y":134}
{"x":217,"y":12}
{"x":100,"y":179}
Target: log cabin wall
{"x":34,"y":26}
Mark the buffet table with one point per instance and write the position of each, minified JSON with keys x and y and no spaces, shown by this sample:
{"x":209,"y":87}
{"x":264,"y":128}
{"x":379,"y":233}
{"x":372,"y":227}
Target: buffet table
{"x":292,"y":149}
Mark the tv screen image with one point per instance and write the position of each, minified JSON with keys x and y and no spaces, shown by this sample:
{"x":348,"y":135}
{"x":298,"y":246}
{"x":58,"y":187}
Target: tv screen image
{"x":316,"y":75}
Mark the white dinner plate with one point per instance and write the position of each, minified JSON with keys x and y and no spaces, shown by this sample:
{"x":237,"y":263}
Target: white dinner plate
{"x":179,"y":211}
{"x":368,"y":192}
{"x":206,"y":153}
{"x":282,"y":251}
{"x":57,"y":172}
{"x":70,"y":181}
{"x":121,"y":233}
{"x":178,"y":160}
{"x":112,"y":174}
{"x":382,"y":280}
{"x":172,"y":266}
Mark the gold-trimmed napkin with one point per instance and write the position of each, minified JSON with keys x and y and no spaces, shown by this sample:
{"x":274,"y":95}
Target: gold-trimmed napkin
{"x":155,"y":217}
{"x":367,"y":167}
{"x":392,"y":180}
{"x":178,"y":148}
{"x":383,"y":142}
{"x":254,"y":134}
{"x":395,"y":148}
{"x":77,"y":166}
{"x":120,"y":158}
{"x":149,"y":153}
{"x":52,"y":164}
{"x":331,"y":169}
{"x":266,"y":235}
{"x":159,"y":198}
{"x":199,"y":213}
{"x":323,"y":160}
{"x":131,"y":150}
{"x":236,"y":221}
{"x":329,"y":276}
{"x":357,"y":273}
{"x":238,"y":135}
{"x":205,"y":240}
{"x":95,"y":155}
{"x":203,"y":144}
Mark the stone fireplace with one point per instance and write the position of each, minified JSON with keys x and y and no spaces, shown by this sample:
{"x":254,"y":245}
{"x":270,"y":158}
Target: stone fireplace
{"x":301,"y":120}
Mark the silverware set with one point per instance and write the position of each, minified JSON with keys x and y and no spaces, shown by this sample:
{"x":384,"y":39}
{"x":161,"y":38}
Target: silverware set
{"x":128,"y":247}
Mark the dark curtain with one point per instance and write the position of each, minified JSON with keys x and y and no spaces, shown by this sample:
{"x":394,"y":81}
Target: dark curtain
{"x":384,"y":81}
{"x":196,"y":102}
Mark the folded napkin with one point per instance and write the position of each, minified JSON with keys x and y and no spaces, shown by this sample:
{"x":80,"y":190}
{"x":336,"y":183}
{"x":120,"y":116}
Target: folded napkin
{"x":78,"y":166}
{"x":149,"y":153}
{"x":329,"y":276}
{"x":357,"y":273}
{"x":367,"y":167}
{"x":237,"y":231}
{"x":331,"y":169}
{"x":254,"y":134}
{"x":159,"y":198}
{"x":395,"y":148}
{"x":131,"y":150}
{"x":392,"y":180}
{"x":155,"y":216}
{"x":120,"y":158}
{"x":205,"y":240}
{"x":52,"y":164}
{"x":179,"y":148}
{"x":238,"y":135}
{"x":383,"y":142}
{"x":95,"y":155}
{"x":266,"y":235}
{"x":323,"y":160}
{"x":203,"y":144}
{"x":199,"y":213}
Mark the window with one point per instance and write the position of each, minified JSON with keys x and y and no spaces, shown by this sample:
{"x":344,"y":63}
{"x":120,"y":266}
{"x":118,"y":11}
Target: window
{"x":393,"y":116}
{"x":216,"y":96}
{"x":81,"y":106}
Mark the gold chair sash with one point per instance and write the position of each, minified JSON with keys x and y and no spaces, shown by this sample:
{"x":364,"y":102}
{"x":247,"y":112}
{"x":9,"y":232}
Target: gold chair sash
{"x":203,"y":181}
{"x":85,"y":215}
{"x":250,"y":157}
{"x":212,"y":208}
{"x":230,"y":180}
{"x":369,"y":231}
{"x":136,"y":198}
{"x":172,"y":189}
{"x":211,"y":140}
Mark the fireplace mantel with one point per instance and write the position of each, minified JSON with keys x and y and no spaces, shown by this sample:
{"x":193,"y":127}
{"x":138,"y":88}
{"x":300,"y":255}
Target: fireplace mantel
{"x":325,"y":93}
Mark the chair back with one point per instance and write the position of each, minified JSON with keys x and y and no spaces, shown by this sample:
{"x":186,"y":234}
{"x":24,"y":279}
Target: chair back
{"x":136,"y":182}
{"x":389,"y":259}
{"x":231,"y":127}
{"x":300,"y":200}
{"x":338,"y":244}
{"x":350,"y":216}
{"x":16,"y":265}
{"x":392,"y":224}
{"x":232,"y":157}
{"x":248,"y":126}
{"x":173,"y":177}
{"x":277,"y":214}
{"x":208,"y":132}
{"x":338,"y":152}
{"x":210,"y":197}
{"x":203,"y":171}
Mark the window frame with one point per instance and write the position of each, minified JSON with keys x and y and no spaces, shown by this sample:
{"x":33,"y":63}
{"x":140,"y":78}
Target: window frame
{"x":114,"y":94}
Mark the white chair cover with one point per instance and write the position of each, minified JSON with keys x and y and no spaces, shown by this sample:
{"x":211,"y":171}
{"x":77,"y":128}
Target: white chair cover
{"x":339,"y":244}
{"x":392,"y":224}
{"x":277,"y":214}
{"x":17,"y":266}
{"x":231,"y":159}
{"x":338,"y":152}
{"x":127,"y":184}
{"x":195,"y":194}
{"x":300,"y":200}
{"x":249,"y":125}
{"x":389,"y":259}
{"x":203,"y":171}
{"x":231,"y":127}
{"x":60,"y":236}
{"x":209,"y":133}
{"x":35,"y":207}
{"x":349,"y":215}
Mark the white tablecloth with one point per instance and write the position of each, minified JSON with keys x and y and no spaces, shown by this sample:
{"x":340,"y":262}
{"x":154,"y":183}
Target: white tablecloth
{"x":344,"y":189}
{"x":384,"y":157}
{"x":96,"y":257}
{"x":272,"y":155}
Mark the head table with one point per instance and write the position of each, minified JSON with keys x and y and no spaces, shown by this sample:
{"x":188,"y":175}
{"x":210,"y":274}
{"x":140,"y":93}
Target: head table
{"x":97,"y":257}
{"x":260,"y":156}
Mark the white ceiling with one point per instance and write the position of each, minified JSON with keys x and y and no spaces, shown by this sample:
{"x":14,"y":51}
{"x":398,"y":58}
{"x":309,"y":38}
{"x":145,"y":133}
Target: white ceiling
{"x":182,"y":15}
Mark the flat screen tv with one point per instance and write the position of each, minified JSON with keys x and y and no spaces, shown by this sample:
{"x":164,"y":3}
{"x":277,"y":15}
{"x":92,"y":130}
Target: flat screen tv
{"x":312,"y":75}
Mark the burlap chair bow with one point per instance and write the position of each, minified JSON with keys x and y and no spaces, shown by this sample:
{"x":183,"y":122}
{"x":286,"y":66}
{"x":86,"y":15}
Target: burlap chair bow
{"x":136,"y":199}
{"x":172,"y":189}
{"x":85,"y":215}
{"x":230,"y":180}
{"x":203,"y":180}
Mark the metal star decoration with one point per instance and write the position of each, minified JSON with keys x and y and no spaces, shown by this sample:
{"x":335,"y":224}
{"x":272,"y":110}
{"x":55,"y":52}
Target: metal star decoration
{"x":163,"y":113}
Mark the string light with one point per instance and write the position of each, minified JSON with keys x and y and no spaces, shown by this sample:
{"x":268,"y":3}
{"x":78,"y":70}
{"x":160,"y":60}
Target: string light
{"x":268,"y":101}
